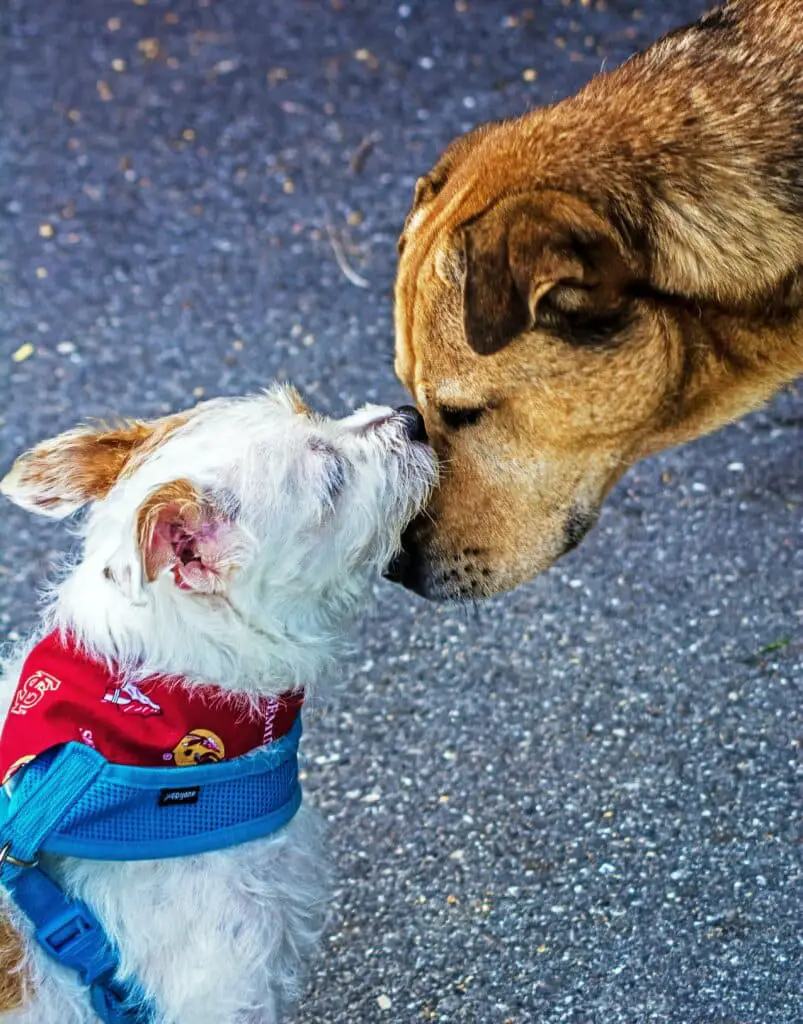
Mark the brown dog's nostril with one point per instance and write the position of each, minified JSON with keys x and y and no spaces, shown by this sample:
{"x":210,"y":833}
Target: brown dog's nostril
{"x":413,"y":423}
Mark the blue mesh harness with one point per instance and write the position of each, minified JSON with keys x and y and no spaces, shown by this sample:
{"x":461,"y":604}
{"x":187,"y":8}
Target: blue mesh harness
{"x":72,"y":801}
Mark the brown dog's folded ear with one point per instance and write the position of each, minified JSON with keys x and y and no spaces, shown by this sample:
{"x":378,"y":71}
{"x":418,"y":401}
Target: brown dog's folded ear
{"x":540,"y":259}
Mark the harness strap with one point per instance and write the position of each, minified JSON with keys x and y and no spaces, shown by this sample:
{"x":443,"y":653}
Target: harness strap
{"x":70,"y":933}
{"x":72,"y":772}
{"x":65,"y":928}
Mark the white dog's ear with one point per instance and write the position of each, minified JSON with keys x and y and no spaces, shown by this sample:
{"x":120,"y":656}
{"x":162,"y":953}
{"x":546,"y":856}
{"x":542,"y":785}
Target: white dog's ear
{"x":58,"y":476}
{"x":181,"y":530}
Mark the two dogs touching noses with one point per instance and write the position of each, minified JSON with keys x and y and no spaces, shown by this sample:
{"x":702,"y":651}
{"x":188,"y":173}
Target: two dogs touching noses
{"x":577,"y":289}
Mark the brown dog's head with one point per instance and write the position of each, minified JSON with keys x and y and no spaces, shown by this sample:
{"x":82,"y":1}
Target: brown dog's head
{"x":519,"y":337}
{"x":550,"y":338}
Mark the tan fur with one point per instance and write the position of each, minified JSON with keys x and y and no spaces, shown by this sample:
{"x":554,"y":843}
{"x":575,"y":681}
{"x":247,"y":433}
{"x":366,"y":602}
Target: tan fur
{"x":11,"y":983}
{"x":599,"y":280}
{"x":82,"y":465}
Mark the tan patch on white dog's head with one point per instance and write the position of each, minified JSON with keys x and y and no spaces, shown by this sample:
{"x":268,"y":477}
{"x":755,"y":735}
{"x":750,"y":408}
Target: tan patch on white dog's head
{"x":297,"y":402}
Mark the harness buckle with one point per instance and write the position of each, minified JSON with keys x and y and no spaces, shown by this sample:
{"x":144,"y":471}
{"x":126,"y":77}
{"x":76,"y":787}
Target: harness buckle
{"x":5,"y":856}
{"x":76,"y":940}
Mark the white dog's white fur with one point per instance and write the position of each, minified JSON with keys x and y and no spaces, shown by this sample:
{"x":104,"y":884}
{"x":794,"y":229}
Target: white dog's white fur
{"x":313,"y":510}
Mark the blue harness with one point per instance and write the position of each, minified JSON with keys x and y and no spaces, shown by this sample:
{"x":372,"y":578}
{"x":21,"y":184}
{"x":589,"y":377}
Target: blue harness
{"x":71,"y":801}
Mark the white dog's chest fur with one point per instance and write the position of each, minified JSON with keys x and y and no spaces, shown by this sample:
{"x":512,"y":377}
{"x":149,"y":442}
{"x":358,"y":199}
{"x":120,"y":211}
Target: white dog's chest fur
{"x":217,"y":935}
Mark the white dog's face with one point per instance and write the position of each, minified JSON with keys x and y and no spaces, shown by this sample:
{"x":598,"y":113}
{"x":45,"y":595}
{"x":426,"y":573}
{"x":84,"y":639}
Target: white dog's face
{"x":284,"y":514}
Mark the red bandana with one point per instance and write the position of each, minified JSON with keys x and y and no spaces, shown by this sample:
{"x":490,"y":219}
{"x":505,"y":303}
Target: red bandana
{"x":64,"y":694}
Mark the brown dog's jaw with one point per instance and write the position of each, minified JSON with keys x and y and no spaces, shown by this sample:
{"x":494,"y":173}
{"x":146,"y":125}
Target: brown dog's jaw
{"x":440,"y":576}
{"x":597,"y":281}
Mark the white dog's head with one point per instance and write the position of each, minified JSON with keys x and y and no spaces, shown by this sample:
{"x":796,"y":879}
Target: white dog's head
{"x":250,"y":526}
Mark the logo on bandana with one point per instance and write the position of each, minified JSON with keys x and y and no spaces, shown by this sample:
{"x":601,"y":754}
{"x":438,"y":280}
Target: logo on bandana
{"x":32,"y":691}
{"x":198,"y":747}
{"x":131,"y":700}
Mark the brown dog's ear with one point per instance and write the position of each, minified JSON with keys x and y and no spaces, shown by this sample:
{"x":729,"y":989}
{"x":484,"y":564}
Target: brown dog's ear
{"x":541,"y":260}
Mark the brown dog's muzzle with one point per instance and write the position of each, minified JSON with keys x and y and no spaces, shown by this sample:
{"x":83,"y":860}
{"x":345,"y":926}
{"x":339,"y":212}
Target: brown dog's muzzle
{"x":468,"y":573}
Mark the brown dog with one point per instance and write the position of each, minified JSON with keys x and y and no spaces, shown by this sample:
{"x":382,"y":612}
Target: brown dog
{"x":596,"y":281}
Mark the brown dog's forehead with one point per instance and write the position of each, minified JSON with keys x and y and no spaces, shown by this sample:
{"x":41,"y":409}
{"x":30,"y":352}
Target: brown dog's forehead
{"x":429,"y":333}
{"x":432,"y":359}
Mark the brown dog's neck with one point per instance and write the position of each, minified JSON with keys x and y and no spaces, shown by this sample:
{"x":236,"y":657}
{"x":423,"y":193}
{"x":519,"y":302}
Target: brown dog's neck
{"x":676,"y":151}
{"x":732,"y":361}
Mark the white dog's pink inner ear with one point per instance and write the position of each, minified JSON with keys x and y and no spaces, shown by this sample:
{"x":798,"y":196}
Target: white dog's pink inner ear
{"x":177,"y":528}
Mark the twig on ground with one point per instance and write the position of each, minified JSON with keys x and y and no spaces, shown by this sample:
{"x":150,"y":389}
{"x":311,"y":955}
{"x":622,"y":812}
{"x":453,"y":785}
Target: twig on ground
{"x":340,"y":257}
{"x":363,"y":151}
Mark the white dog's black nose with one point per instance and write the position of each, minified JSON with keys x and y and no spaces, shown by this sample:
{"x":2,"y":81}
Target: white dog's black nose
{"x":413,"y":423}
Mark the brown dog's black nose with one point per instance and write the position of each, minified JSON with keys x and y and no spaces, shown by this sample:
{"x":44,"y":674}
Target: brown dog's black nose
{"x":413,"y":423}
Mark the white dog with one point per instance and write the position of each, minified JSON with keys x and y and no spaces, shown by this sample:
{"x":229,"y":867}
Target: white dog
{"x":225,"y":552}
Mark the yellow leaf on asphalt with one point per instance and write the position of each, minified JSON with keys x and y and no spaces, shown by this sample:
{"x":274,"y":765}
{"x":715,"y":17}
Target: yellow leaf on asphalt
{"x":23,"y":352}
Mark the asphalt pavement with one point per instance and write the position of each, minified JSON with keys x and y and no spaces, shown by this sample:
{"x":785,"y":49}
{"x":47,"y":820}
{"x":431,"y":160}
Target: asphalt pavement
{"x":576,"y":804}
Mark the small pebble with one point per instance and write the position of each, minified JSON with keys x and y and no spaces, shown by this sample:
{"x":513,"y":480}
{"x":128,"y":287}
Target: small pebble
{"x":149,"y":48}
{"x":384,"y":1002}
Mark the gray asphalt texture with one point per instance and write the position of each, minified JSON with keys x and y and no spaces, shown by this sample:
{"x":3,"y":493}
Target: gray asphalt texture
{"x":576,"y":803}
